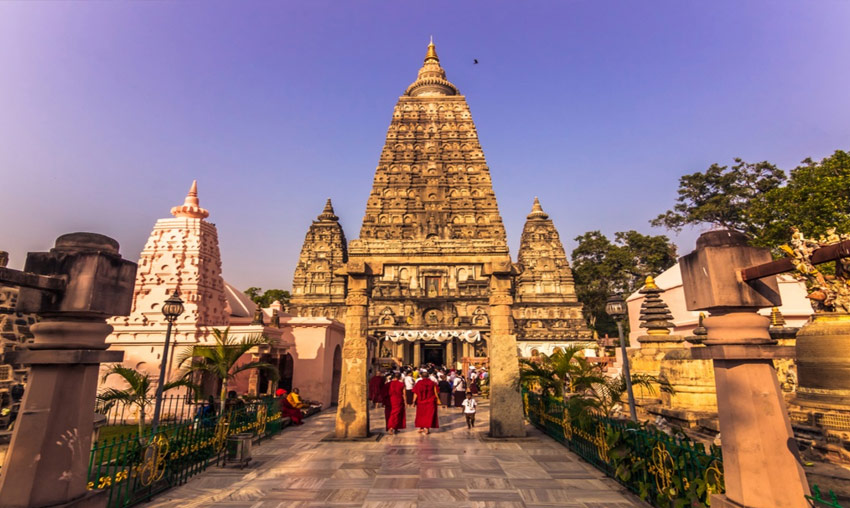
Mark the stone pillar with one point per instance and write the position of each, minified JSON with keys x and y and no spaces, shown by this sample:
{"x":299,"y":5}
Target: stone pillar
{"x":450,"y":353}
{"x":506,"y":416}
{"x":47,"y":461}
{"x":352,"y":417}
{"x":761,"y":463}
{"x":465,"y":349}
{"x":417,"y":353}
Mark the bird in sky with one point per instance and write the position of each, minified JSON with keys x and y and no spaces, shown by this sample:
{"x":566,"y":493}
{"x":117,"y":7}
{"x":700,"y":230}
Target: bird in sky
{"x":475,"y":60}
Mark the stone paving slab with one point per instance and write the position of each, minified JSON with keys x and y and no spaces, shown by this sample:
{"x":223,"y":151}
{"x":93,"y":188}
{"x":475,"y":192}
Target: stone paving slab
{"x":452,"y":467}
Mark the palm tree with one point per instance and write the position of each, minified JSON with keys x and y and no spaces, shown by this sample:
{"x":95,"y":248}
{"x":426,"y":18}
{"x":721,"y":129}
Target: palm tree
{"x":609,"y":393}
{"x":220,"y":359}
{"x":565,"y":371}
{"x":138,"y":394}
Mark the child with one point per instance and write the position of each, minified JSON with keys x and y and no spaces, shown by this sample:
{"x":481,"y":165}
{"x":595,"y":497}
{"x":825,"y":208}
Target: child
{"x":469,"y":406}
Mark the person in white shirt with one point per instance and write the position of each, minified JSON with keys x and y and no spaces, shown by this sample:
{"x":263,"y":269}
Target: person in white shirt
{"x":408,"y":387}
{"x":459,"y":389}
{"x":469,"y":406}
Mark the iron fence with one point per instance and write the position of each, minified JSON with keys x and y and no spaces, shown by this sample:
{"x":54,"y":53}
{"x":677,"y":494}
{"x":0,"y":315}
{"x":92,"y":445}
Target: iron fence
{"x":175,"y":409}
{"x":660,"y":468}
{"x":134,"y":468}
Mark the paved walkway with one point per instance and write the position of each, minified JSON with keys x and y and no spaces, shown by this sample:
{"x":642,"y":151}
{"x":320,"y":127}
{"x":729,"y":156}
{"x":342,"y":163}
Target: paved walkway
{"x":452,"y":467}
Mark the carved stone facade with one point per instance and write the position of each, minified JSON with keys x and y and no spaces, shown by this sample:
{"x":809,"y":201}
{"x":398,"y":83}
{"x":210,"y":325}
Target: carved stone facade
{"x":546,"y":306}
{"x":317,"y":290}
{"x":180,"y":254}
{"x":432,"y":241}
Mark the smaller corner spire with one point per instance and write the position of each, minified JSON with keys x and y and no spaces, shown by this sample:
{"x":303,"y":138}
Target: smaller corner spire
{"x":328,"y":212}
{"x":191,"y":207}
{"x":537,"y":211}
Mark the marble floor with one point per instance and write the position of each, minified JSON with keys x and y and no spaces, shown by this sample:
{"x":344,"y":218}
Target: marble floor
{"x":451,"y":467}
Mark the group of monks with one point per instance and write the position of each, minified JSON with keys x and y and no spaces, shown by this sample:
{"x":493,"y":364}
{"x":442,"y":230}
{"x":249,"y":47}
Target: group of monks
{"x":396,"y":390}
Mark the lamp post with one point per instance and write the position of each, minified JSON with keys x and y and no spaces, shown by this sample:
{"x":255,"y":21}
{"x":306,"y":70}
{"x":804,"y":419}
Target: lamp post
{"x":616,"y":308}
{"x":171,"y":309}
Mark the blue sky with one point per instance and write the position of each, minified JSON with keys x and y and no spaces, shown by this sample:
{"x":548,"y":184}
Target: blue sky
{"x":108,"y":110}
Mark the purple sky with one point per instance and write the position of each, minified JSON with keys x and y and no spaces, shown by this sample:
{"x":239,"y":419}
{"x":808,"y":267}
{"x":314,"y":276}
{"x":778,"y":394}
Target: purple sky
{"x":108,"y":110}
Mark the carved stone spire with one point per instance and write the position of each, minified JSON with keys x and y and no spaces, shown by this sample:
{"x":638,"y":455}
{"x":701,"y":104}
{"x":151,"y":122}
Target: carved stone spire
{"x":327,"y":214}
{"x":191,"y":206}
{"x":432,"y":78}
{"x":546,"y":305}
{"x":537,"y":212}
{"x":654,"y":313}
{"x":317,"y":290}
{"x":432,"y":183}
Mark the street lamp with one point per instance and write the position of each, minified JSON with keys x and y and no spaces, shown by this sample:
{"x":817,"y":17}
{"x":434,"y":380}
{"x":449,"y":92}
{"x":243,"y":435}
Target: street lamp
{"x":171,"y":309}
{"x":616,"y":308}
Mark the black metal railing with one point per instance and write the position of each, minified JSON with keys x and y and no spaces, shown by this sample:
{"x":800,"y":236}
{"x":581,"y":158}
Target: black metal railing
{"x":132,"y":468}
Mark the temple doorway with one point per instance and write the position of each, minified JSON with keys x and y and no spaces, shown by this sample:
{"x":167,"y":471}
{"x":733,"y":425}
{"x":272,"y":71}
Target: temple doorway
{"x":434,"y":353}
{"x":285,"y":367}
{"x":336,"y":376}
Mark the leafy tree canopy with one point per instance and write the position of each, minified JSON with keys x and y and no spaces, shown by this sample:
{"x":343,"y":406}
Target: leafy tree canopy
{"x":757,"y":200}
{"x":816,"y":197}
{"x":602,"y":268}
{"x":722,"y":196}
{"x":264,"y":299}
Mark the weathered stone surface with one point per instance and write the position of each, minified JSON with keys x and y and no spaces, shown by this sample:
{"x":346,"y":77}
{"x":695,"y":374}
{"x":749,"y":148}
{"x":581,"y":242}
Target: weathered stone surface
{"x":317,"y":290}
{"x":57,"y":407}
{"x":353,"y":411}
{"x":761,"y":463}
{"x":546,"y":307}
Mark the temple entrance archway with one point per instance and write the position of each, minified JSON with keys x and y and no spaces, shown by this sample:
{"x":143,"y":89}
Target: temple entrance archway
{"x":434,"y":353}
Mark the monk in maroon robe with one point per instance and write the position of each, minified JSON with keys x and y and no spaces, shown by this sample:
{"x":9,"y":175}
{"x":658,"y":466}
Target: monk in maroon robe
{"x":395,"y":412}
{"x":426,"y":398}
{"x":286,"y":408}
{"x":376,"y":394}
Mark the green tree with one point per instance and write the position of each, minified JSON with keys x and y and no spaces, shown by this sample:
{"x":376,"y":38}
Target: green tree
{"x":583,"y":386}
{"x":563,"y":372}
{"x":267,"y":297}
{"x":220,"y":360}
{"x":140,"y":392}
{"x":816,"y":197}
{"x":722,"y":196}
{"x":602,"y":268}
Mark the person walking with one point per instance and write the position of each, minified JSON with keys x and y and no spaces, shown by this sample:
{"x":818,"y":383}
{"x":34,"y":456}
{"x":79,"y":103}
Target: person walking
{"x":459,"y":389}
{"x":408,"y":387}
{"x":396,"y":417}
{"x":469,"y":407}
{"x":426,"y":398}
{"x":445,"y":390}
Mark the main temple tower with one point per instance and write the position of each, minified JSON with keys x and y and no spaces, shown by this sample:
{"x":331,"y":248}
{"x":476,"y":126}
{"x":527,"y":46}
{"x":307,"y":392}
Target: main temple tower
{"x":432,"y":229}
{"x":431,"y":240}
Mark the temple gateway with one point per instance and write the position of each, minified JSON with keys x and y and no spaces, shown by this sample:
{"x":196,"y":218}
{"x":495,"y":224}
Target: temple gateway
{"x":431,"y":241}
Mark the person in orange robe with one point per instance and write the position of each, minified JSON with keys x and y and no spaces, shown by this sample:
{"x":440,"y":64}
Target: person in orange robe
{"x":426,"y":398}
{"x":396,"y":406}
{"x":286,"y":408}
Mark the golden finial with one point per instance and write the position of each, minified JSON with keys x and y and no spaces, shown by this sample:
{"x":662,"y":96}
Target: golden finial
{"x":432,"y":52}
{"x":650,"y":283}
